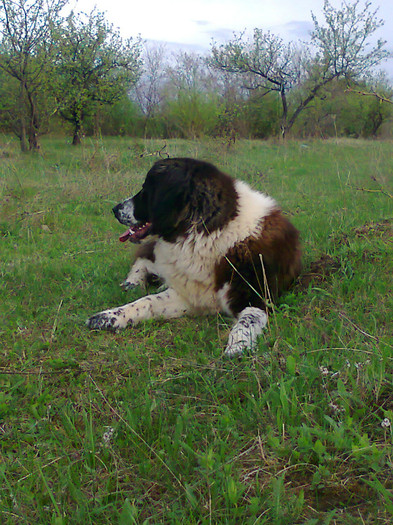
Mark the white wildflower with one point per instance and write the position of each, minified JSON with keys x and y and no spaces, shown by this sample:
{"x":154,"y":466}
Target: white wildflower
{"x":324,"y":371}
{"x":107,"y":437}
{"x":362,"y":365}
{"x":385,"y":423}
{"x":335,"y":407}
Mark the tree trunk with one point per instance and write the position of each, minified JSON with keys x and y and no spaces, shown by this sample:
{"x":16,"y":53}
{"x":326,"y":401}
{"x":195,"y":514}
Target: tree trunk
{"x":305,"y":102}
{"x":33,"y":140}
{"x":21,"y":132}
{"x":377,"y":121}
{"x":284,"y":118}
{"x":76,"y":139}
{"x":22,"y":136}
{"x":34,"y":122}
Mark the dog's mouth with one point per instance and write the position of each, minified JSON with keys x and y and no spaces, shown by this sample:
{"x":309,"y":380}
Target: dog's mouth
{"x":136,"y":233}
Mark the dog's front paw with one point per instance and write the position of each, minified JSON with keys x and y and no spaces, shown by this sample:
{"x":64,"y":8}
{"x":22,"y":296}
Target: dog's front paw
{"x":236,"y":348}
{"x":128,"y":285}
{"x":245,"y":331}
{"x":110,"y":320}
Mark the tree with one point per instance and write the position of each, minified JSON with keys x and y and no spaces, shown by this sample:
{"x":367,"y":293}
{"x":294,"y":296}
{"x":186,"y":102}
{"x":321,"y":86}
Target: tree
{"x":266,"y":63}
{"x":26,"y":55}
{"x":94,"y":67}
{"x":340,"y":47}
{"x":149,"y":91}
{"x":342,"y":43}
{"x":15,"y":114}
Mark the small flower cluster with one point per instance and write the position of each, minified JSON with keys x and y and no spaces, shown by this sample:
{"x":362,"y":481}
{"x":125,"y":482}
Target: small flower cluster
{"x":325,"y":372}
{"x":358,"y":366}
{"x":336,"y":408}
{"x":107,"y":437}
{"x":386,"y":423}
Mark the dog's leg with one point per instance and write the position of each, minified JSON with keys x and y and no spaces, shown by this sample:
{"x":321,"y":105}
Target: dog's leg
{"x":166,"y":305}
{"x":244,"y":333}
{"x":138,"y":274}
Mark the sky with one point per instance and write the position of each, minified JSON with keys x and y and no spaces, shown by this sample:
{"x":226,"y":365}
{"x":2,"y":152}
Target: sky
{"x":191,"y":25}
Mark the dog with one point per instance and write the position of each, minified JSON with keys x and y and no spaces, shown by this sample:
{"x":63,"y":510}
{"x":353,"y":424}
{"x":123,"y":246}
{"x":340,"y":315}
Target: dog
{"x":217,"y":244}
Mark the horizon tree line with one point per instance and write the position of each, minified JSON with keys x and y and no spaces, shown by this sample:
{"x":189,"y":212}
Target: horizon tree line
{"x":77,"y":68}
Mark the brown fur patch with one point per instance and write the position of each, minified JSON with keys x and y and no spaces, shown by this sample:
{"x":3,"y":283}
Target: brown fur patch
{"x":261,"y":267}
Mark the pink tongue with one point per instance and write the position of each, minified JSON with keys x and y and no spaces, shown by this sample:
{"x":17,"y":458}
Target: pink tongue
{"x":126,"y":235}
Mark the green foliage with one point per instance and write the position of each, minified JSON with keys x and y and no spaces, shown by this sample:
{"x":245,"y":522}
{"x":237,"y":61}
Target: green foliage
{"x":191,"y":115}
{"x":94,"y":66}
{"x":122,"y":118}
{"x":339,"y":112}
{"x":153,"y":425}
{"x":26,"y":55}
{"x":262,"y":114}
{"x":192,"y":104}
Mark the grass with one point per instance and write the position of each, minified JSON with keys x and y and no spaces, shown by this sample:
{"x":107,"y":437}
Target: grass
{"x":153,"y":425}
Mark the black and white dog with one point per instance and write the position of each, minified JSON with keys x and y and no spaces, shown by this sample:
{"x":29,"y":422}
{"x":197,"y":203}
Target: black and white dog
{"x":217,"y":244}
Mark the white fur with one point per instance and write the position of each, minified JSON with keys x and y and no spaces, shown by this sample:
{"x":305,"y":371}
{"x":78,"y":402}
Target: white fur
{"x":244,"y":333}
{"x":138,"y":274}
{"x":166,"y":304}
{"x":126,"y":214}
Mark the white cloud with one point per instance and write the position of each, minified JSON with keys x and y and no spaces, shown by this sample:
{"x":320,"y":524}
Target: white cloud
{"x":193,"y":23}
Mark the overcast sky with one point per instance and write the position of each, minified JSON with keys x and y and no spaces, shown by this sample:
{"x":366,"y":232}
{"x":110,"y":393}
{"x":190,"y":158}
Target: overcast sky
{"x":192,"y":24}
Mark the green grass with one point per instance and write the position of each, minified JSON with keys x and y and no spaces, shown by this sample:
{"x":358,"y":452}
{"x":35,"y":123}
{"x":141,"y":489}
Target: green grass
{"x":154,"y":425}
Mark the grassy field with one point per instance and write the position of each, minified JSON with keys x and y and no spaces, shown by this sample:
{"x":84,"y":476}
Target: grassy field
{"x":153,"y":425}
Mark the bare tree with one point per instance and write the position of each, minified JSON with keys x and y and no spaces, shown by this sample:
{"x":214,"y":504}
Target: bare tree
{"x":266,"y":63}
{"x":149,"y":91}
{"x":25,"y":54}
{"x":340,"y":47}
{"x":191,"y":95}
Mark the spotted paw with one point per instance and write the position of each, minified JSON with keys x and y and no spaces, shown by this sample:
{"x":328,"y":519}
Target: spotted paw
{"x":128,"y":285}
{"x":236,"y":349}
{"x":110,"y":320}
{"x":245,"y":331}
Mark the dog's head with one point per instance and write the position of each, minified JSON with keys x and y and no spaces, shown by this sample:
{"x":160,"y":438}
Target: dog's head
{"x":160,"y":207}
{"x":178,"y":193}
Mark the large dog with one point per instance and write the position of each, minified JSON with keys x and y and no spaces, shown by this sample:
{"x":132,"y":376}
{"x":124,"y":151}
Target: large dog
{"x":217,"y":244}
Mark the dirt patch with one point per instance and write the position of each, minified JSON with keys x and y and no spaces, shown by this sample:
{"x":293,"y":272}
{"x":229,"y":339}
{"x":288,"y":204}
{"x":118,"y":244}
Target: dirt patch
{"x":319,"y":271}
{"x":376,"y":229}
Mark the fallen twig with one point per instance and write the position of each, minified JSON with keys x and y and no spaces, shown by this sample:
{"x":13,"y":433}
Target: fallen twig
{"x":159,"y":153}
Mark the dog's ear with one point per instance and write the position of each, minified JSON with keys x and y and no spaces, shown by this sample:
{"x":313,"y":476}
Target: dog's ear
{"x":169,"y":205}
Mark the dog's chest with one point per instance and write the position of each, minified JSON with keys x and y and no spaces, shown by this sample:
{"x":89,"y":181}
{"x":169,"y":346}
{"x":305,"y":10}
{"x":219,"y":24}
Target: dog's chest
{"x":188,"y":267}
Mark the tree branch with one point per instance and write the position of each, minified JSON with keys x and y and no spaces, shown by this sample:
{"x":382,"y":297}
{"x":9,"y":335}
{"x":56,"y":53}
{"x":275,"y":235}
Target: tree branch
{"x":366,"y":94}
